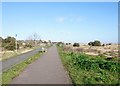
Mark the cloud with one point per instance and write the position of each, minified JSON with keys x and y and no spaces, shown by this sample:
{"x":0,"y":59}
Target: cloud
{"x":75,"y":18}
{"x":69,"y":18}
{"x":60,"y":19}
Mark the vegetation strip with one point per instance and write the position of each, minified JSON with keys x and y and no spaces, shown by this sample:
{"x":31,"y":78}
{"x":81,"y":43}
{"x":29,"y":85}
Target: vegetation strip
{"x":8,"y":75}
{"x":10,"y":55}
{"x":85,"y":69}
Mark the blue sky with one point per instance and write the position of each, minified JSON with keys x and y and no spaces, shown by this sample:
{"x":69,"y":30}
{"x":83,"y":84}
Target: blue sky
{"x":68,"y":22}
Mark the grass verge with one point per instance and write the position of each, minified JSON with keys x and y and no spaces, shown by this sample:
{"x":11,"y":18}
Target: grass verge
{"x":12,"y":54}
{"x":85,"y":69}
{"x":8,"y":75}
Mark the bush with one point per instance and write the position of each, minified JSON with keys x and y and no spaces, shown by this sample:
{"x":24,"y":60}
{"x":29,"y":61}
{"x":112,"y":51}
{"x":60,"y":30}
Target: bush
{"x":28,"y":45}
{"x":9,"y":43}
{"x":90,"y":43}
{"x":76,"y":45}
{"x":60,"y":44}
{"x":95,"y":43}
{"x":10,"y":47}
{"x":103,"y":45}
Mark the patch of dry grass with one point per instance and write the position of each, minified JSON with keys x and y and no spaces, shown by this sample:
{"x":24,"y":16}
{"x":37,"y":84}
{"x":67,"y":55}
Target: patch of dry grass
{"x":109,"y":50}
{"x":9,"y":54}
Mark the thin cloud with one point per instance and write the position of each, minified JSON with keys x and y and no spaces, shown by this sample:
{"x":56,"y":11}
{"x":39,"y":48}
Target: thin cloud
{"x":69,"y":18}
{"x":74,"y":18}
{"x":60,"y":19}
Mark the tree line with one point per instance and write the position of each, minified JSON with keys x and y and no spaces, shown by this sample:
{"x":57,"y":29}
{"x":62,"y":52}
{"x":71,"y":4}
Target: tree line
{"x":91,"y":43}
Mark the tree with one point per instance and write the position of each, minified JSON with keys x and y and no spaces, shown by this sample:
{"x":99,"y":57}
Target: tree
{"x":67,"y":44}
{"x":76,"y":45}
{"x":90,"y":43}
{"x":33,"y":40}
{"x":103,"y":44}
{"x":9,"y":43}
{"x":95,"y":43}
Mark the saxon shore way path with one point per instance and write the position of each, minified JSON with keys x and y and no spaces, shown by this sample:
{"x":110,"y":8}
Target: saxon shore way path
{"x":48,"y":69}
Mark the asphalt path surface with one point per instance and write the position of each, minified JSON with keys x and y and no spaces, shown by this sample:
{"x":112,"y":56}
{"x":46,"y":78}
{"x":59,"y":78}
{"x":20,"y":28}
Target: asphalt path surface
{"x":7,"y":64}
{"x":48,"y":69}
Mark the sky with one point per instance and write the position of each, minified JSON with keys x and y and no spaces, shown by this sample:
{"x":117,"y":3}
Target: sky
{"x":61,"y":21}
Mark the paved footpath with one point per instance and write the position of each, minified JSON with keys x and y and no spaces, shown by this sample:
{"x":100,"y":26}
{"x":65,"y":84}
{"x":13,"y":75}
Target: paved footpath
{"x":9,"y":63}
{"x":48,"y":69}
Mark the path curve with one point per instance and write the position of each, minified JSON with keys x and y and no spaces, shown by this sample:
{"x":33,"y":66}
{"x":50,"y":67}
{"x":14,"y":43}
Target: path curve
{"x":48,"y":69}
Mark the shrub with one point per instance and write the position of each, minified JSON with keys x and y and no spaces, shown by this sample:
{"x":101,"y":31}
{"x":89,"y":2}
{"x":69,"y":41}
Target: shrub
{"x":95,"y":43}
{"x":9,"y":43}
{"x":60,"y":44}
{"x":76,"y":45}
{"x":103,"y":44}
{"x":28,"y":45}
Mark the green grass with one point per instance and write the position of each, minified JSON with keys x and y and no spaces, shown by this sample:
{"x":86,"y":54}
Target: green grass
{"x":8,"y":75}
{"x":85,"y":69}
